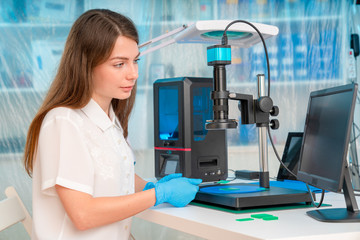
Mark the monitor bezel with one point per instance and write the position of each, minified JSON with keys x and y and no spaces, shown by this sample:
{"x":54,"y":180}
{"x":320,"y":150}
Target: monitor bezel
{"x":316,"y":180}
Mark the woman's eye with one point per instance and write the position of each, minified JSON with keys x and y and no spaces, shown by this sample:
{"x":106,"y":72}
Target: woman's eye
{"x":119,"y":65}
{"x":137,"y":60}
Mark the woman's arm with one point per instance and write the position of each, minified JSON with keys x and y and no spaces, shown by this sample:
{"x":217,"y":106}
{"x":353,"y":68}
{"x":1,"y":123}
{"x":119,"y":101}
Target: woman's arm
{"x":139,"y":183}
{"x":88,"y":212}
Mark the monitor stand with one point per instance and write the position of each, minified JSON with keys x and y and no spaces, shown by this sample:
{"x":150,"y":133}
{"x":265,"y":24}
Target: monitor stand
{"x":349,"y":214}
{"x":262,"y":198}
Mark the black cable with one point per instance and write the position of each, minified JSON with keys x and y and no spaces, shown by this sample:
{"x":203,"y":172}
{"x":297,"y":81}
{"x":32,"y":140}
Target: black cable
{"x":277,"y":155}
{"x":234,"y":175}
{"x":312,"y":199}
{"x":224,"y":41}
{"x":307,"y":186}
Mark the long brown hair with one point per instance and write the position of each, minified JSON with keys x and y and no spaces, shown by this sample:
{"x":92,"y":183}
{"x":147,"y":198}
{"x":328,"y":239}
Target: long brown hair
{"x":89,"y":43}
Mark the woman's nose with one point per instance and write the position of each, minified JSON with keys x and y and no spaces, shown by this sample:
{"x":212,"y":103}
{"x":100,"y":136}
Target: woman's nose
{"x":133,"y":73}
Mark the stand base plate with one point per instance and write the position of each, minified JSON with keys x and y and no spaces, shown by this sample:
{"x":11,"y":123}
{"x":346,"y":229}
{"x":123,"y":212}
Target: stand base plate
{"x":230,"y":195}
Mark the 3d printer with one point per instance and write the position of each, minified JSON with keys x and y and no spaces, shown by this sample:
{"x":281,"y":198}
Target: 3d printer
{"x":182,"y":144}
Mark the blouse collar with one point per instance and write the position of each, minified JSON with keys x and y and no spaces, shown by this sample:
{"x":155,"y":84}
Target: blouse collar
{"x":97,"y":115}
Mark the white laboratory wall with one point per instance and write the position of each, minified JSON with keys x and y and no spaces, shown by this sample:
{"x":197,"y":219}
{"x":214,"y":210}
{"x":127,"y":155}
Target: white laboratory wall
{"x":309,"y":53}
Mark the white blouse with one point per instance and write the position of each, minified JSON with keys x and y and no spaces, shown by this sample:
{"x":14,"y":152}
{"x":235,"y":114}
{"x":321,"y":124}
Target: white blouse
{"x":84,"y":150}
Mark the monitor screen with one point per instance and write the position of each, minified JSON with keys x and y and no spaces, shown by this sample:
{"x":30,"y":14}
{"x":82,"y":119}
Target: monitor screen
{"x":326,"y":137}
{"x":290,"y":156}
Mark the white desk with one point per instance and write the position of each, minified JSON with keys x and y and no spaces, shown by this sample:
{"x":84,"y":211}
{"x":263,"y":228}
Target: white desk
{"x":214,"y":224}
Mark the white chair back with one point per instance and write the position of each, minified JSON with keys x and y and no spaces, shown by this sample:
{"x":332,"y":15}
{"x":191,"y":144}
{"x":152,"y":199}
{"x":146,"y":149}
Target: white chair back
{"x":12,"y":211}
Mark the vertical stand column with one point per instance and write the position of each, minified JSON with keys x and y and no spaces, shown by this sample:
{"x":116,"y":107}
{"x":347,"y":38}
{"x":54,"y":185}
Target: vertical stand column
{"x":351,"y":204}
{"x":263,"y":147}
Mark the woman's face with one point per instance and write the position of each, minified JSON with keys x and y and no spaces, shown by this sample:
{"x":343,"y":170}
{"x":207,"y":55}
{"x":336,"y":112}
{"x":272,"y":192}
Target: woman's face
{"x":116,"y":77}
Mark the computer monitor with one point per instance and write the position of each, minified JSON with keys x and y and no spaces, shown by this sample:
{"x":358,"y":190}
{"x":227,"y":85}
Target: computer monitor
{"x":323,"y":156}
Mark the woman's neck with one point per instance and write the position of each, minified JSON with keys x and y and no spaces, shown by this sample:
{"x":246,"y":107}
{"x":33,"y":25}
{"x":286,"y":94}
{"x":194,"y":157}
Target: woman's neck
{"x":104,"y":104}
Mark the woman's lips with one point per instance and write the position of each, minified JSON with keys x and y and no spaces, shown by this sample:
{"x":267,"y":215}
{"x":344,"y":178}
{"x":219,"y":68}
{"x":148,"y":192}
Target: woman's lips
{"x":129,"y":88}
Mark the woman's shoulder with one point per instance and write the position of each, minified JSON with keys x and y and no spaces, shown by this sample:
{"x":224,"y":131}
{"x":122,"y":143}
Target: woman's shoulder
{"x":63,"y":113}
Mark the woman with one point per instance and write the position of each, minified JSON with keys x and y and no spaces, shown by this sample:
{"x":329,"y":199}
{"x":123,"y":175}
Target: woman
{"x":76,"y":149}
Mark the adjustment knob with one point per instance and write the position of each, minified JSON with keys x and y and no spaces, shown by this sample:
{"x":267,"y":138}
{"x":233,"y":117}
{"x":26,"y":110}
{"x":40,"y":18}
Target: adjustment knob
{"x":274,"y":124}
{"x":265,"y":104}
{"x":274,"y":111}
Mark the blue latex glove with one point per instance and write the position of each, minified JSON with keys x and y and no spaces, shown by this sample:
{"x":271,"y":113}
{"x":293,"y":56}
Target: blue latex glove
{"x":179,"y":192}
{"x":151,"y":185}
{"x":169,"y":177}
{"x":148,"y":186}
